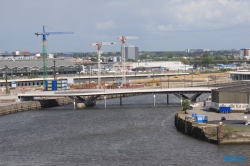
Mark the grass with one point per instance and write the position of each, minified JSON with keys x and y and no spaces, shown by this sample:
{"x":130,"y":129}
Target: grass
{"x":235,"y":128}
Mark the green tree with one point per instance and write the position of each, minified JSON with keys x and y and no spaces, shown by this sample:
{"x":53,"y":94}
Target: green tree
{"x":207,"y":60}
{"x":131,"y":60}
{"x":185,"y":105}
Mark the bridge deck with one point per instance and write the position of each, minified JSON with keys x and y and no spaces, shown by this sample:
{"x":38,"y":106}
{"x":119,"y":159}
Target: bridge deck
{"x":115,"y":91}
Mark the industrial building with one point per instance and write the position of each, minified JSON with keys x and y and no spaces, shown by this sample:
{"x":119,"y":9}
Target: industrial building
{"x":35,"y":66}
{"x":236,"y":97}
{"x":240,"y":75}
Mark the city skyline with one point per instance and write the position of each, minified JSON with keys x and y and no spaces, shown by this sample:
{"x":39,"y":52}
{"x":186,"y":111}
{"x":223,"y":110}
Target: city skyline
{"x":173,"y":25}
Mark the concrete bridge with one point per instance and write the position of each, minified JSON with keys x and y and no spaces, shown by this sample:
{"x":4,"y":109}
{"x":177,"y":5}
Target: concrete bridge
{"x":88,"y":97}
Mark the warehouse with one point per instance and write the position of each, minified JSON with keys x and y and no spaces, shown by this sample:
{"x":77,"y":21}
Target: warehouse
{"x":236,"y":97}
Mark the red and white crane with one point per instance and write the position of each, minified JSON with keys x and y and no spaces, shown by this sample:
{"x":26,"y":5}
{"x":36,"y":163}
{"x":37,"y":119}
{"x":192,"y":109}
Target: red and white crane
{"x":123,"y":40}
{"x":99,"y":45}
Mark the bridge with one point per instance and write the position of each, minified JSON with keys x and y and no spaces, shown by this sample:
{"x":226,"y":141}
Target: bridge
{"x":88,"y":97}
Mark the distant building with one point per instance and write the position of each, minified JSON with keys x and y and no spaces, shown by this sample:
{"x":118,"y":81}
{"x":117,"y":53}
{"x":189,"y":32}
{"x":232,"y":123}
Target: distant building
{"x":244,"y":54}
{"x":131,"y":52}
{"x":17,"y":55}
{"x":197,"y":50}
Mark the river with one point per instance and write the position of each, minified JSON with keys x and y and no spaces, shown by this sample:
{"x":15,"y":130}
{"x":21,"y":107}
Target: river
{"x":136,"y":133}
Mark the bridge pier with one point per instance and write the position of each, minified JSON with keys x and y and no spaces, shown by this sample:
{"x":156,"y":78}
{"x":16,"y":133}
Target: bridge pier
{"x":120,"y":99}
{"x":167,"y":100}
{"x":26,"y":98}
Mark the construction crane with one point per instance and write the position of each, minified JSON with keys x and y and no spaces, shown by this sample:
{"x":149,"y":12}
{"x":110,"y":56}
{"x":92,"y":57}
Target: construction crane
{"x":44,"y":34}
{"x":99,"y":45}
{"x":123,"y":40}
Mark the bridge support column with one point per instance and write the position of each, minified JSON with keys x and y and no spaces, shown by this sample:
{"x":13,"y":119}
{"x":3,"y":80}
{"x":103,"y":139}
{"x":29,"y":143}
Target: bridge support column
{"x":120,"y":99}
{"x":167,"y":100}
{"x":154,"y":100}
{"x":105,"y":101}
{"x":74,"y":102}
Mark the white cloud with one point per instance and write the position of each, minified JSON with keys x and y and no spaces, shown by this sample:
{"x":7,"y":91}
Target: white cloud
{"x":153,"y":27}
{"x":105,"y":25}
{"x":199,"y":15}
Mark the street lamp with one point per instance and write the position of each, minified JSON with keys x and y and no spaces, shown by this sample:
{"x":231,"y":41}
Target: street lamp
{"x":54,"y":70}
{"x":6,"y":80}
{"x":168,"y":81}
{"x":184,"y":81}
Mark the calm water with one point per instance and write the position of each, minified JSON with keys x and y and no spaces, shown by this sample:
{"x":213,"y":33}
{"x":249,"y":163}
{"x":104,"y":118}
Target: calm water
{"x":127,"y":135}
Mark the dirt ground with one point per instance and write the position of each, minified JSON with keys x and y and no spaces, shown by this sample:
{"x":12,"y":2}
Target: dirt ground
{"x":172,"y":81}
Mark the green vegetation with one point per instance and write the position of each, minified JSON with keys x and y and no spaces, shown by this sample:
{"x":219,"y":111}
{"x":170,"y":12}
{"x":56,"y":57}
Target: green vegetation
{"x":185,"y":105}
{"x":229,"y":128}
{"x":33,"y":76}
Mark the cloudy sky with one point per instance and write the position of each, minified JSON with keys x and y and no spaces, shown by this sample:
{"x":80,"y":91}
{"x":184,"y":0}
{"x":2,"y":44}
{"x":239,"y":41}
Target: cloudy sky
{"x":161,"y":25}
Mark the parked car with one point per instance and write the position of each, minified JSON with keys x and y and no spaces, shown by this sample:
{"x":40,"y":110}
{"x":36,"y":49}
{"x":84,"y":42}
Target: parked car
{"x":223,"y":118}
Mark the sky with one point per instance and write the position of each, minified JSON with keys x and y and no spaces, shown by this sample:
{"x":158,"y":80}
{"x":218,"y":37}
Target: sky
{"x":160,"y":25}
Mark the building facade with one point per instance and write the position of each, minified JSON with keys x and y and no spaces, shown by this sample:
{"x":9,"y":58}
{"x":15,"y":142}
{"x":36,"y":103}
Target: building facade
{"x":244,"y":54}
{"x":131,"y":52}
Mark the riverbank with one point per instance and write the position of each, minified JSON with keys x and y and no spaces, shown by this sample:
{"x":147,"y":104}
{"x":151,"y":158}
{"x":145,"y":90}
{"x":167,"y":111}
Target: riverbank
{"x":231,"y":131}
{"x":10,"y":103}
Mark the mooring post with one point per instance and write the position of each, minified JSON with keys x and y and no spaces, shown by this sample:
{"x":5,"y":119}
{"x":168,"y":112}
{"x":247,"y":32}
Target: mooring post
{"x":154,"y":100}
{"x":120,"y":99}
{"x":105,"y":101}
{"x":181,"y":100}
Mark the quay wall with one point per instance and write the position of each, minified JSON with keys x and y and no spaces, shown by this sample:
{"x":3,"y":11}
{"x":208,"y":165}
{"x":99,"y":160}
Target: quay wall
{"x":14,"y":107}
{"x":193,"y":129}
{"x":213,"y":133}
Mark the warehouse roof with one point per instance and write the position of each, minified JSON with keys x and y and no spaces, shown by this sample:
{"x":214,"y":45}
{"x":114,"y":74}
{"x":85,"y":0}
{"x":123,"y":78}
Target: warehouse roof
{"x":35,"y":63}
{"x":242,"y":87}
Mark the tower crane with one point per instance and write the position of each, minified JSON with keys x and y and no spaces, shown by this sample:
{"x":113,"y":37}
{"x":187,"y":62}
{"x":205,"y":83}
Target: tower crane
{"x":99,"y":45}
{"x":123,"y":39}
{"x":44,"y":34}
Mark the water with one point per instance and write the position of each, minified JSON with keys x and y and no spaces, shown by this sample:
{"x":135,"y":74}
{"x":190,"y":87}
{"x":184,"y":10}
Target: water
{"x":136,"y":133}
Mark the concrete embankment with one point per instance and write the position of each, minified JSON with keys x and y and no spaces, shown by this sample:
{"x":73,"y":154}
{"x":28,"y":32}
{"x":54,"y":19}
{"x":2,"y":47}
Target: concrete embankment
{"x":213,"y":133}
{"x":196,"y":130}
{"x":32,"y":105}
{"x":9,"y":105}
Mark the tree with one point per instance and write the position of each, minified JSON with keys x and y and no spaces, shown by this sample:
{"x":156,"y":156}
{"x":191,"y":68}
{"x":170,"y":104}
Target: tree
{"x":131,"y":60}
{"x":207,"y":60}
{"x":185,"y":105}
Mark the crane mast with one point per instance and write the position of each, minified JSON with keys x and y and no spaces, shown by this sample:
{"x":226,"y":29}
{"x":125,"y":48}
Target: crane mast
{"x":123,"y":40}
{"x":44,"y":43}
{"x":99,"y":45}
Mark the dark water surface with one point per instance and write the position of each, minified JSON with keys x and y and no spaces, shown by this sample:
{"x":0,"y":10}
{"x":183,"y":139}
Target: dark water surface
{"x":116,"y":135}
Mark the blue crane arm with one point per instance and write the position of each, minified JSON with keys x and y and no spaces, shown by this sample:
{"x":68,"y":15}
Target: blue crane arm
{"x":53,"y":33}
{"x":58,"y":33}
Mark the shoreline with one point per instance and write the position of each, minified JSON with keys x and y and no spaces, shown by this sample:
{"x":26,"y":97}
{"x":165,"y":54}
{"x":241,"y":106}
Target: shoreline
{"x":213,"y":132}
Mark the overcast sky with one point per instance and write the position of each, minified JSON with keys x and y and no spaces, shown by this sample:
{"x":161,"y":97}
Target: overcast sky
{"x":161,"y":25}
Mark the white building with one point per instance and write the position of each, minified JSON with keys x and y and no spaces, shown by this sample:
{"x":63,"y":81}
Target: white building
{"x":170,"y":65}
{"x":244,"y":54}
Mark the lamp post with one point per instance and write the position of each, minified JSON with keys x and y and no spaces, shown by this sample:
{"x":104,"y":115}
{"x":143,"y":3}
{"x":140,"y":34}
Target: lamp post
{"x":184,"y":81}
{"x":6,"y":80}
{"x":54,"y":70}
{"x":89,"y":83}
{"x":168,"y":81}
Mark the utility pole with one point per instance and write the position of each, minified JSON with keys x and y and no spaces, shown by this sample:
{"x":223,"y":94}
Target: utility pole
{"x":54,"y":70}
{"x":6,"y":80}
